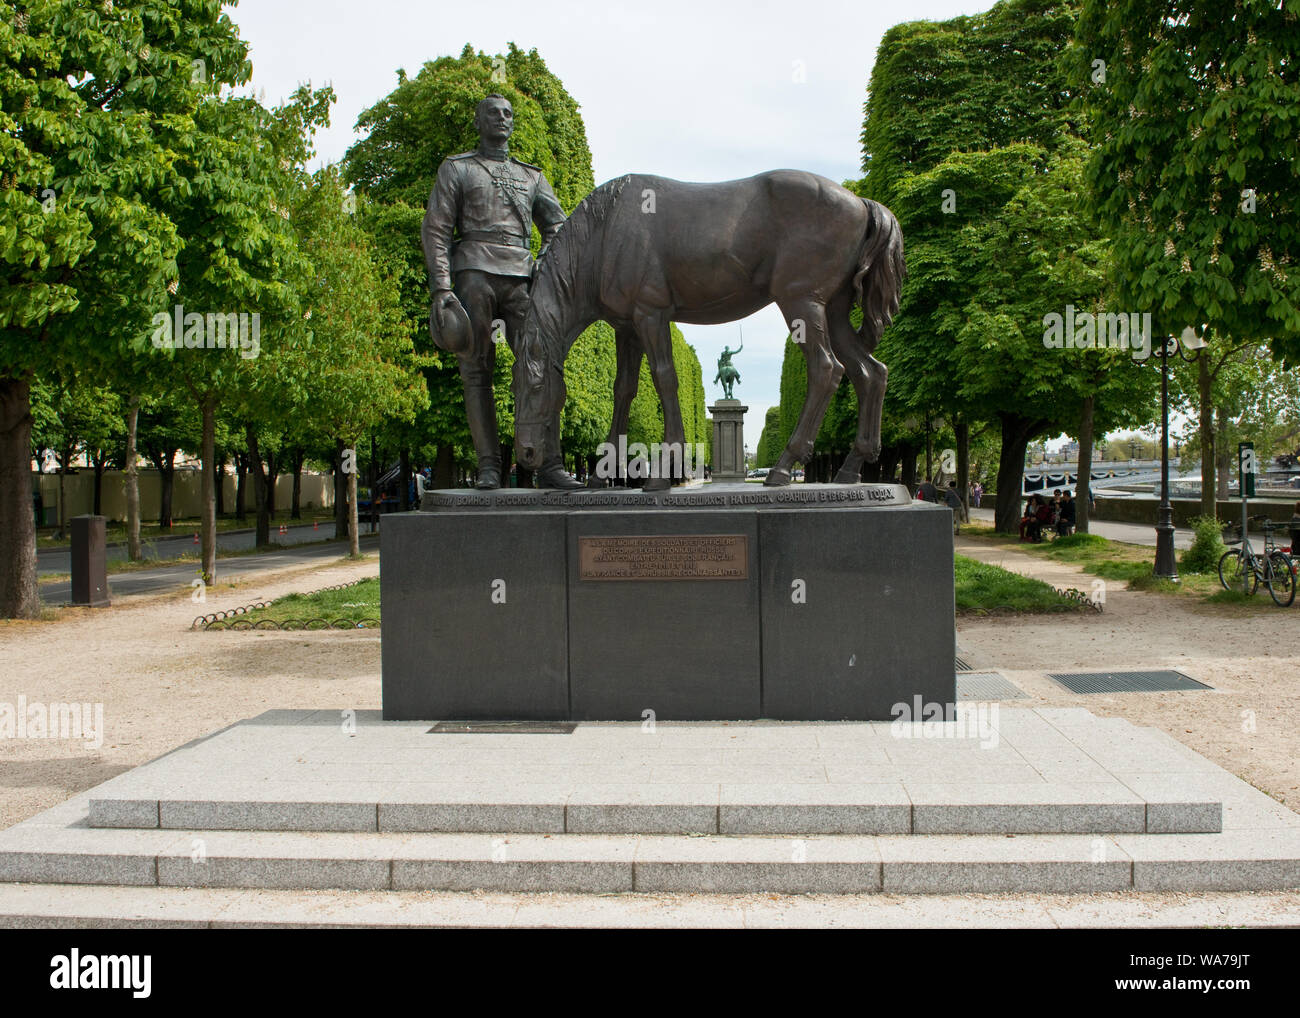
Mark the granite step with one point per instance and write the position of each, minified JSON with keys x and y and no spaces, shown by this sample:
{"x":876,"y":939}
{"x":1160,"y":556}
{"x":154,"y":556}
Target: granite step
{"x":886,"y":808}
{"x":1236,"y":860}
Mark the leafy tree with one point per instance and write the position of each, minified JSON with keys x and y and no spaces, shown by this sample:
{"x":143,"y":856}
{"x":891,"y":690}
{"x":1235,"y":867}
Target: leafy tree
{"x":357,"y":365}
{"x":768,"y":451}
{"x":240,"y":268}
{"x":75,"y":419}
{"x":937,"y":90}
{"x":1193,"y":173}
{"x":166,"y":425}
{"x":1253,"y":398}
{"x":1047,"y":260}
{"x":96,"y":102}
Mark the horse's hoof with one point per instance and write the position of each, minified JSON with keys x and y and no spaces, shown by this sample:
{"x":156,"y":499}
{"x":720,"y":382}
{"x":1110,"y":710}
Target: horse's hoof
{"x":776,"y":479}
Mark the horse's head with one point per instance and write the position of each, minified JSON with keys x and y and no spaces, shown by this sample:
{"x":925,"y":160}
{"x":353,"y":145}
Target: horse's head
{"x":539,"y":393}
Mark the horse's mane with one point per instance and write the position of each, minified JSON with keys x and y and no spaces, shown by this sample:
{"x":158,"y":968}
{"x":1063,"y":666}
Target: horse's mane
{"x":558,"y":272}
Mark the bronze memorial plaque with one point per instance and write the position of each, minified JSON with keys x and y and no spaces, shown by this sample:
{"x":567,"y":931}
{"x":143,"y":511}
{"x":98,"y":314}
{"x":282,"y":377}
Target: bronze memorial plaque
{"x":664,"y":557}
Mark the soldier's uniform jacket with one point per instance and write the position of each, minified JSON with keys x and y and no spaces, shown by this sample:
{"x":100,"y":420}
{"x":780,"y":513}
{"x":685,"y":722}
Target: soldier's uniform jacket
{"x":480,"y":216}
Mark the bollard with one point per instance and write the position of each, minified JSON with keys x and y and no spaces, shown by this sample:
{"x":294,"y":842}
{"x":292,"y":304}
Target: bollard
{"x":89,"y":562}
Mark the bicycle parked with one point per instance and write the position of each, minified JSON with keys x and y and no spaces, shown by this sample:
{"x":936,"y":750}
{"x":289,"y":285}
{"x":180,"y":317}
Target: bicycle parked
{"x":1242,"y":569}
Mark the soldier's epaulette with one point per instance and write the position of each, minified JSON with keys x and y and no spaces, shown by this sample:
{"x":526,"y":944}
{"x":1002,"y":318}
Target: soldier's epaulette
{"x":529,"y":165}
{"x":462,"y":155}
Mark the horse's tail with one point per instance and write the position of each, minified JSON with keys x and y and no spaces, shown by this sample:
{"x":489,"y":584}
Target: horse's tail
{"x":881,"y":263}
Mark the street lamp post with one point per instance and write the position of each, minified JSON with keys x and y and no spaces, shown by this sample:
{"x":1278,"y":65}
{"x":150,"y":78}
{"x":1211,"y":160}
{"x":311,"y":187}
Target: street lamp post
{"x":1166,"y":567}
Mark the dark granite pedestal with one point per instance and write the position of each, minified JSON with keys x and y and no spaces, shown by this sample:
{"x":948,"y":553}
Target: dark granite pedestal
{"x":722,"y":602}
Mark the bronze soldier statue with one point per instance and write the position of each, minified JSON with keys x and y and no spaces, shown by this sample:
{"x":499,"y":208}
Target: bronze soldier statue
{"x":727,"y":373}
{"x":476,"y":235}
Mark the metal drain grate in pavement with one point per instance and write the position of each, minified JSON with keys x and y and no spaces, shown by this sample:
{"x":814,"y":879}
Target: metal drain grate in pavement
{"x":963,"y":665}
{"x":503,"y":728}
{"x":987,"y":686}
{"x":1125,"y":682}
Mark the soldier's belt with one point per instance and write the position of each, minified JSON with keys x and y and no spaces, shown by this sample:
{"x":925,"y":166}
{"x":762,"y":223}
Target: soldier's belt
{"x":494,"y":237}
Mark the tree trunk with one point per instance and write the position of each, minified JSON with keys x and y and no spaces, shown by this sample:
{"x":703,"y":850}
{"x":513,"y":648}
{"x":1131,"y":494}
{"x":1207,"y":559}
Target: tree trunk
{"x":341,"y":514}
{"x":207,"y":493}
{"x":1084,"y":484}
{"x":372,"y":476}
{"x":63,"y":516}
{"x":889,"y":463}
{"x":929,"y":465}
{"x":295,"y":509}
{"x":164,"y":460}
{"x":167,"y":476}
{"x":272,"y":473}
{"x":18,"y":593}
{"x":241,"y":475}
{"x":444,"y":468}
{"x":404,"y":482}
{"x":133,"y":550}
{"x":1222,"y":462}
{"x":219,"y":482}
{"x":962,"y":432}
{"x":908,"y":477}
{"x":1203,"y":383}
{"x":263,"y":526}
{"x":98,"y":461}
{"x":1016,"y":434}
{"x":354,"y":532}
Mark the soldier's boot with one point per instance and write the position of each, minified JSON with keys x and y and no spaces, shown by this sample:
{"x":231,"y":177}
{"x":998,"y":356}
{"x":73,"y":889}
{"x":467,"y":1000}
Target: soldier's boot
{"x":481,"y":411}
{"x":552,"y":474}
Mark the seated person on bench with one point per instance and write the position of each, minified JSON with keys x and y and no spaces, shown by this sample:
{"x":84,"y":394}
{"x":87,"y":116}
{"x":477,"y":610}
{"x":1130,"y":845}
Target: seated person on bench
{"x":1065,"y":520}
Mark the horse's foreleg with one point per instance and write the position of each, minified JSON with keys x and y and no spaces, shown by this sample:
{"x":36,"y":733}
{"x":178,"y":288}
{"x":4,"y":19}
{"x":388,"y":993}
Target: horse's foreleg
{"x":627,"y":376}
{"x":656,"y":338}
{"x":824,"y":374}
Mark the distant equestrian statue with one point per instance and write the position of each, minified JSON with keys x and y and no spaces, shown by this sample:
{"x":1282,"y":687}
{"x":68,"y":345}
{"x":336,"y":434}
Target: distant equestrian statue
{"x":727,"y":373}
{"x":641,"y":252}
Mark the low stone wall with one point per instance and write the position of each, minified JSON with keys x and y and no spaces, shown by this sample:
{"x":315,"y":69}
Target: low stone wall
{"x":79,"y":489}
{"x":1133,"y":510}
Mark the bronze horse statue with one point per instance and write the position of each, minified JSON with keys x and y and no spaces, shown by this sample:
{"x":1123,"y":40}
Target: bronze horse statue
{"x":642,"y":251}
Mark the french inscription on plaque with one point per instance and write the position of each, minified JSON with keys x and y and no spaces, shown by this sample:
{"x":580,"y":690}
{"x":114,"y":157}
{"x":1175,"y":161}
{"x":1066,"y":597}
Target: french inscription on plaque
{"x":664,"y":557}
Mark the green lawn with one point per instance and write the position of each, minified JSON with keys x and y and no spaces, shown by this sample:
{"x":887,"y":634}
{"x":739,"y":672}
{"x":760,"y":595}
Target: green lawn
{"x":983,"y":587}
{"x":1111,"y":560}
{"x":358,"y":602}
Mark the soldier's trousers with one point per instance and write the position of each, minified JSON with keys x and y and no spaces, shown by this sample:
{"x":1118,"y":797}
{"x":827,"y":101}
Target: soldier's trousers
{"x":496,"y":306}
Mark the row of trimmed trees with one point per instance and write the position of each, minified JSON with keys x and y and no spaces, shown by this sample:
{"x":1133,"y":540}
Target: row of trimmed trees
{"x":150,"y":206}
{"x":1132,"y":157}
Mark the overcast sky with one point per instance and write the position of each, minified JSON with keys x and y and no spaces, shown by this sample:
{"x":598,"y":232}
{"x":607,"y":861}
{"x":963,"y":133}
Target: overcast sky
{"x":694,"y":90}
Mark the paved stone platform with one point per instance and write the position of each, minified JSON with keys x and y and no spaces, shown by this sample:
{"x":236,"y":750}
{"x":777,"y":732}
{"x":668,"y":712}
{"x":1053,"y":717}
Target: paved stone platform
{"x":1038,"y":800}
{"x":1025,"y":772}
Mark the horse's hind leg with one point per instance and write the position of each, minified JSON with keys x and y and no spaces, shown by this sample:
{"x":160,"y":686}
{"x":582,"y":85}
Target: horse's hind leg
{"x":653,"y":330}
{"x":824,"y":374}
{"x":627,"y":375}
{"x":868,"y":377}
